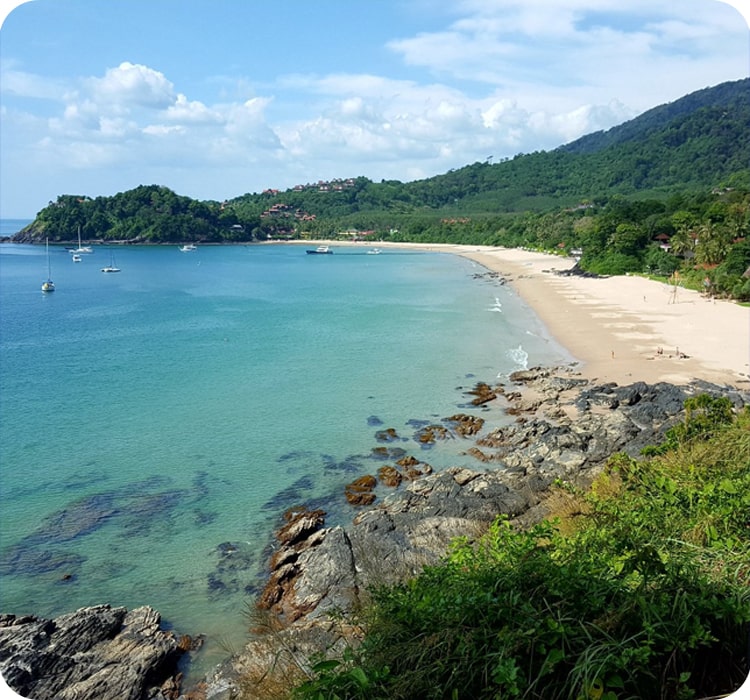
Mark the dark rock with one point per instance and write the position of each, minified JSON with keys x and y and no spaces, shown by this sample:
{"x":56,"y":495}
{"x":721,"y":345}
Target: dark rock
{"x":390,"y":476}
{"x":465,"y":425}
{"x":97,"y":653}
{"x":387,"y":435}
{"x":295,"y":493}
{"x":482,"y":393}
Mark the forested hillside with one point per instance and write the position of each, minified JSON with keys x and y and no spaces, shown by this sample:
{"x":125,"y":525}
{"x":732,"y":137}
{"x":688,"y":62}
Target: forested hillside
{"x":669,"y":190}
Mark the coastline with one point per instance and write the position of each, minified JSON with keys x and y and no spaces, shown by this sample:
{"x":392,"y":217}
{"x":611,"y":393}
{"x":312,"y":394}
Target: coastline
{"x":615,"y":326}
{"x":592,"y":318}
{"x":629,"y":328}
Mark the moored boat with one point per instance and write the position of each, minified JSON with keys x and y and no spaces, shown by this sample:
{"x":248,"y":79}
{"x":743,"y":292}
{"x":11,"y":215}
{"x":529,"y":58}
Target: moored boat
{"x":80,"y":249}
{"x":320,"y":250}
{"x":48,"y":285}
{"x":111,"y":267}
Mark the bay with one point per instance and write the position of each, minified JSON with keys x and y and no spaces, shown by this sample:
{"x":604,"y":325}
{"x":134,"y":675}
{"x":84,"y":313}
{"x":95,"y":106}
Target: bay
{"x":155,"y":423}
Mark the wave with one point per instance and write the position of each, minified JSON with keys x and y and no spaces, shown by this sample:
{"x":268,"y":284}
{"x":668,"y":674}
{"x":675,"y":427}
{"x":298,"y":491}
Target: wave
{"x":497,"y":306}
{"x":518,"y":356}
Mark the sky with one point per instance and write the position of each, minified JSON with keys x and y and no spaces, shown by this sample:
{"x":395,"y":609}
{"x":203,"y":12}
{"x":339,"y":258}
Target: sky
{"x":218,"y":98}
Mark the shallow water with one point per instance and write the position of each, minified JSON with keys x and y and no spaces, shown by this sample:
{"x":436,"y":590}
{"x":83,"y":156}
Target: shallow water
{"x":151,"y":416}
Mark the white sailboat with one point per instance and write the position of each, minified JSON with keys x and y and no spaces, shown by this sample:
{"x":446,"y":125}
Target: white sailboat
{"x":111,"y":267}
{"x":49,"y":285}
{"x":81,"y":249}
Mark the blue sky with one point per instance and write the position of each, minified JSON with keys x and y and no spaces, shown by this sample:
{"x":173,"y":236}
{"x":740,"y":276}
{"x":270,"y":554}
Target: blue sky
{"x":216,"y":98}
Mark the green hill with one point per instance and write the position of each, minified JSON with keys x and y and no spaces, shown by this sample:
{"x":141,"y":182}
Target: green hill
{"x":665,"y":190}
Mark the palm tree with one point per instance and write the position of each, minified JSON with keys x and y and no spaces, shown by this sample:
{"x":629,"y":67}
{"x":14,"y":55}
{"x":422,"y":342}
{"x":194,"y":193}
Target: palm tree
{"x":712,"y":243}
{"x":683,"y":241}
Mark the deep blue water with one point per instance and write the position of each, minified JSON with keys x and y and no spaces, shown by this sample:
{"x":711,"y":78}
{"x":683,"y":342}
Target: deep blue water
{"x":147,"y":417}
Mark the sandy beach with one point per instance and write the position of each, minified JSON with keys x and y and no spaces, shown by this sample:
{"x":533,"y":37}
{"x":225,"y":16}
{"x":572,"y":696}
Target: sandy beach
{"x":626,"y":328}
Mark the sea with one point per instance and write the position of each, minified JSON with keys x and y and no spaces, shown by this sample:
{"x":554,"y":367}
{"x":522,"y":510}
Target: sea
{"x":156,"y":423}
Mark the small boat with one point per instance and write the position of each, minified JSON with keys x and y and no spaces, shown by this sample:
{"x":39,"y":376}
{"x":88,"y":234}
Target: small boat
{"x":111,"y":267}
{"x":320,"y":250}
{"x":76,"y":258}
{"x":49,"y":285}
{"x":80,"y":249}
{"x":188,"y":248}
{"x":374,"y":251}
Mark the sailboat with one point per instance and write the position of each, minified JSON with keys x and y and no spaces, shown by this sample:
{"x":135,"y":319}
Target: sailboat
{"x":111,"y":267}
{"x":49,"y":285}
{"x":81,"y":249}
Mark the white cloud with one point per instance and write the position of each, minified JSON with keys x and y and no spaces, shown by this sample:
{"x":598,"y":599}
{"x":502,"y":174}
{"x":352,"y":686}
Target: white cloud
{"x":23,"y":84}
{"x":133,"y":84}
{"x":195,"y":112}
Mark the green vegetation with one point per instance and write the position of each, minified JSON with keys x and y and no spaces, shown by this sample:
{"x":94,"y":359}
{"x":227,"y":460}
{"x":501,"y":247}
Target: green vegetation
{"x":639,"y":591}
{"x":146,"y":214}
{"x":668,"y":191}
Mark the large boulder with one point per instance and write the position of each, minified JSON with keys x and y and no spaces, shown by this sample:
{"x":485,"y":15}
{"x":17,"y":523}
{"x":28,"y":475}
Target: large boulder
{"x":96,"y":653}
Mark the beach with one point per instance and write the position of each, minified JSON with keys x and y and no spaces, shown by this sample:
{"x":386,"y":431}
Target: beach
{"x":628,"y":328}
{"x":625,"y":328}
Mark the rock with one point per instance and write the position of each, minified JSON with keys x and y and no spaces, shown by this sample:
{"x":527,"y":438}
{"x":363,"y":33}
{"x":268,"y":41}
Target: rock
{"x":359,"y":492}
{"x":466,"y":425}
{"x":430,"y":433}
{"x":390,"y":476}
{"x":96,"y":653}
{"x":300,"y":524}
{"x":483,"y":393}
{"x":387,"y":435}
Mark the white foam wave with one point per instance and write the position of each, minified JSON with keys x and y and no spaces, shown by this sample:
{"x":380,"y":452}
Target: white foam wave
{"x":497,"y":306}
{"x":519,"y":356}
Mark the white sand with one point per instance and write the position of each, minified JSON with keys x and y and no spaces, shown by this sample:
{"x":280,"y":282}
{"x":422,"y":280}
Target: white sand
{"x":615,"y":326}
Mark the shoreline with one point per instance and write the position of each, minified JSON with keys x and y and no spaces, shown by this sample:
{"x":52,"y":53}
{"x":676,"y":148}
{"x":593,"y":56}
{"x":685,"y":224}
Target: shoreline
{"x":628,"y":316}
{"x":620,"y":329}
{"x":629,"y":328}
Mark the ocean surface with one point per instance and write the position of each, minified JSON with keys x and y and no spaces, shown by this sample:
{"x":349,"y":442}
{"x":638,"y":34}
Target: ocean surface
{"x":152,"y":417}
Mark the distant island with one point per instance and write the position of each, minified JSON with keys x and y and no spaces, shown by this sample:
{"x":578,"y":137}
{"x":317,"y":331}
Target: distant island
{"x":667,"y":192}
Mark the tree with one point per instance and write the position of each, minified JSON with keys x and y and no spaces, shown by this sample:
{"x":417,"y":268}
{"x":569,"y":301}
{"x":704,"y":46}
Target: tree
{"x":712,"y":243}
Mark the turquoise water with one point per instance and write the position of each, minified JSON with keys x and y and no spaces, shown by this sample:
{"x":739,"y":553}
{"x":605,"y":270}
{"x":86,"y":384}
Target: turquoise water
{"x":148,"y":417}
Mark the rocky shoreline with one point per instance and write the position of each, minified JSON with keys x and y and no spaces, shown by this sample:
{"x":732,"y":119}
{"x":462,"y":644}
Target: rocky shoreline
{"x":565,"y":429}
{"x":97,"y":652}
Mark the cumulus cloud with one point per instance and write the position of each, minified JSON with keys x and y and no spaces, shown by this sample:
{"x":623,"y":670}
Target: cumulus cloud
{"x":133,"y":84}
{"x":194,"y":112}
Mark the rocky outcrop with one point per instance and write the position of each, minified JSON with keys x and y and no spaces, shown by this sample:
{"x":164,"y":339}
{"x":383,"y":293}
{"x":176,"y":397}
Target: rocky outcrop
{"x":96,"y":653}
{"x":565,"y":428}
